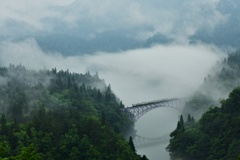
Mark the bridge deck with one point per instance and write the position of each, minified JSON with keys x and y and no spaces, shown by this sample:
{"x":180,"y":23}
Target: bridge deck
{"x":139,"y":109}
{"x":153,"y":102}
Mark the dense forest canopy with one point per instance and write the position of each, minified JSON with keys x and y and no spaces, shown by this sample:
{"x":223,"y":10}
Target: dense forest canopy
{"x":225,"y":76}
{"x":216,"y":134}
{"x":60,"y":115}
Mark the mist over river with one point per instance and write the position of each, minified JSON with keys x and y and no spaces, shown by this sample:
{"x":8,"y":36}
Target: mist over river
{"x":158,"y":122}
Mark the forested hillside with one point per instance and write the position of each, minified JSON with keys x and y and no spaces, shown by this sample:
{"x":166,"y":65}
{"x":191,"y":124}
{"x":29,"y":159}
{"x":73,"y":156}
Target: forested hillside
{"x":60,"y":115}
{"x":216,"y":134}
{"x":214,"y":137}
{"x":224,"y":77}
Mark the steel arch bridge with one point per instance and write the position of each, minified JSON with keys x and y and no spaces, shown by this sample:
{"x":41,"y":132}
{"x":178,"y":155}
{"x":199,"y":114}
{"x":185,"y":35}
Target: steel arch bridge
{"x":139,"y":109}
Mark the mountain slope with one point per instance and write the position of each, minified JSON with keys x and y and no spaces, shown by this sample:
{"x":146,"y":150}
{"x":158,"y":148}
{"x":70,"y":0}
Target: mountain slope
{"x":214,"y":136}
{"x":60,"y":115}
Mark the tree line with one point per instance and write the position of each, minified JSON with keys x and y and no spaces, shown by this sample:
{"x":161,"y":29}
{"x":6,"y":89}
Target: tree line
{"x":50,"y":114}
{"x":216,"y":134}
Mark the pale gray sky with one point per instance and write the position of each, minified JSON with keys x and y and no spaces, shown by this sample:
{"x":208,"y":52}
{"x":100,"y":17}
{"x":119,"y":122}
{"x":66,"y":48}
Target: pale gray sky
{"x":178,"y":18}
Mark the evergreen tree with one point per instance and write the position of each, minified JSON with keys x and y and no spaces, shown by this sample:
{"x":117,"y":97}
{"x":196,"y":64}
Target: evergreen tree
{"x":3,"y":125}
{"x":190,"y":120}
{"x":103,"y":118}
{"x":108,"y":93}
{"x":99,"y":96}
{"x":144,"y":157}
{"x":182,"y":126}
{"x":130,"y":142}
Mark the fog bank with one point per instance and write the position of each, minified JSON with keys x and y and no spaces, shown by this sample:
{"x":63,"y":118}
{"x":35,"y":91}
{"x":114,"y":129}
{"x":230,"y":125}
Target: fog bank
{"x":135,"y":76}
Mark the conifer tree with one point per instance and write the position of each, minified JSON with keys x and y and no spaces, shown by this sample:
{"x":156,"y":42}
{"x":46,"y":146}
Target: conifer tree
{"x":182,"y":123}
{"x":144,"y":157}
{"x":189,"y":119}
{"x":3,"y":122}
{"x":130,"y":142}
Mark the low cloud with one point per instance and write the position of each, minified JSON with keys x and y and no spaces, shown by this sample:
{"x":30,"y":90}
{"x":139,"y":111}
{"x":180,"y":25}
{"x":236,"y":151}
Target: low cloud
{"x":135,"y":76}
{"x":176,"y":19}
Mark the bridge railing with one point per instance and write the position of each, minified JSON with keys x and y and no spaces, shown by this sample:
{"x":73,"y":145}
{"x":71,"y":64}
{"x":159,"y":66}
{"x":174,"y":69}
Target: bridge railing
{"x":154,"y":102}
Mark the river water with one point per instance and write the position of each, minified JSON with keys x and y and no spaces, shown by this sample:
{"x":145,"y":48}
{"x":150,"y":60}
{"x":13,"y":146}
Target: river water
{"x":156,"y":123}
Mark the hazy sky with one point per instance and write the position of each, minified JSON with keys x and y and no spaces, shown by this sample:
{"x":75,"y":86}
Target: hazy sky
{"x":178,"y":18}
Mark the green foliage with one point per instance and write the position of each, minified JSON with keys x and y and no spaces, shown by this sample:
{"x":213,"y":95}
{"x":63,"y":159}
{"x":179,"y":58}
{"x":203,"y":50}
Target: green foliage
{"x":214,"y":136}
{"x":225,"y":76}
{"x":232,"y":104}
{"x":60,"y":115}
{"x":144,"y":157}
{"x":131,"y":144}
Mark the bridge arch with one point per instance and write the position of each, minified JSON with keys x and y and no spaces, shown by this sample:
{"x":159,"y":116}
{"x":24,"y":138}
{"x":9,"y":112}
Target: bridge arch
{"x":138,"y":110}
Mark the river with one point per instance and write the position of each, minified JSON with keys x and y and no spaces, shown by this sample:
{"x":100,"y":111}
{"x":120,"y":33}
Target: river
{"x":155,"y":123}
